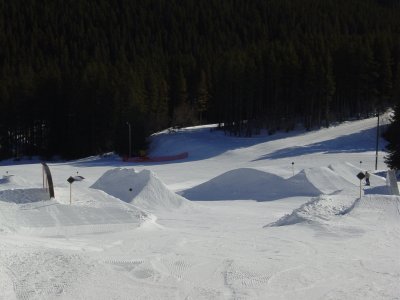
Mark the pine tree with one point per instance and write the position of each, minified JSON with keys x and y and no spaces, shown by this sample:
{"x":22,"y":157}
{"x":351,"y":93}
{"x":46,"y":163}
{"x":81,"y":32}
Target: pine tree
{"x":393,"y":137}
{"x":393,"y":133}
{"x":202,"y":95}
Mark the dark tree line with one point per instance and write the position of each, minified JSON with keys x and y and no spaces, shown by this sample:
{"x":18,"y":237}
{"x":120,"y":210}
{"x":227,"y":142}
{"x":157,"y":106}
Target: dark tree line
{"x":72,"y":73}
{"x":393,"y":137}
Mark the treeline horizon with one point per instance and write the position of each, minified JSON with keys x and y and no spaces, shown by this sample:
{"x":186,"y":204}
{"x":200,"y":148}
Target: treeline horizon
{"x":73,"y":73}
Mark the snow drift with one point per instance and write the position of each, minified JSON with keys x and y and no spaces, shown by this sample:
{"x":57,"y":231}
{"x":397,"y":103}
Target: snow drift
{"x":143,"y":189}
{"x":319,"y":209}
{"x":376,"y":209}
{"x":252,"y":184}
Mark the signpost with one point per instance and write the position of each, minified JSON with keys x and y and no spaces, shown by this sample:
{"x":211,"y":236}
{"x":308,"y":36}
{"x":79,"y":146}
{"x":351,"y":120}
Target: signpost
{"x":70,"y":181}
{"x":360,"y":176}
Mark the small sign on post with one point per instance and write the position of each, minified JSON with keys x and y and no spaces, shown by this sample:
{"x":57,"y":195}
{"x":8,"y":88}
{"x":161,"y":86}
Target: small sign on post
{"x":70,"y":181}
{"x":360,"y":176}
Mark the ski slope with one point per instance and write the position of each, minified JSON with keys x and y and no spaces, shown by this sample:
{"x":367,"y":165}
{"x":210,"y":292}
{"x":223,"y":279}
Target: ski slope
{"x":235,"y":220}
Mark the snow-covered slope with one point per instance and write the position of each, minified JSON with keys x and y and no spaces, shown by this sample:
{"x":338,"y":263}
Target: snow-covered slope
{"x":320,"y":242}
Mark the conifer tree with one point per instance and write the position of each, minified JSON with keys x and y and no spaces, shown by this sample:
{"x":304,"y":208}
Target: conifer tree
{"x":393,"y":137}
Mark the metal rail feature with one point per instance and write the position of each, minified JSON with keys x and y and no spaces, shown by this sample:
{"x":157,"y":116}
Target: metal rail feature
{"x":47,"y":180}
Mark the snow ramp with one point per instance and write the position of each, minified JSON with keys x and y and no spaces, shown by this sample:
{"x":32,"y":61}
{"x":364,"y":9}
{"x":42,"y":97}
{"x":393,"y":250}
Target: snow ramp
{"x":329,"y":181}
{"x":252,"y":184}
{"x":142,"y":189}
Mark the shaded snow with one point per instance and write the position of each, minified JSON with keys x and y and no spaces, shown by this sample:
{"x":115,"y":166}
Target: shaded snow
{"x":245,"y":183}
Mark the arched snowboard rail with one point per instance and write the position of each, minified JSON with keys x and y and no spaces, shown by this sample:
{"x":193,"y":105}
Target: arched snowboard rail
{"x":47,"y":180}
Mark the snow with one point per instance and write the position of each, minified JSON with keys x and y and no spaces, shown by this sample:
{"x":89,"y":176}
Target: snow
{"x":143,"y":189}
{"x":317,"y":210}
{"x":264,"y":228}
{"x":251,"y":184}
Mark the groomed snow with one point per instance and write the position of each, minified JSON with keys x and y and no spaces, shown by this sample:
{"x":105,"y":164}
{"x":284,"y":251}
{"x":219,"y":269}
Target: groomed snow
{"x":127,"y":234}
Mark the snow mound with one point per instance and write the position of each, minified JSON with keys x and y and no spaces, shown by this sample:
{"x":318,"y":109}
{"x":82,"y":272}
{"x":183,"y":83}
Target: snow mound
{"x":252,"y":184}
{"x":142,"y":189}
{"x":13,"y":181}
{"x":319,"y":209}
{"x":27,"y":211}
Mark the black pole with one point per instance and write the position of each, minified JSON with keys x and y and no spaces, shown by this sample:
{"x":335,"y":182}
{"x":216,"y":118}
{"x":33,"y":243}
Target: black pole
{"x":377,"y":145}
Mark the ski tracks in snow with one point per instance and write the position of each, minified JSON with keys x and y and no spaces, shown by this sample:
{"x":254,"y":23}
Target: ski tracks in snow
{"x":40,"y":274}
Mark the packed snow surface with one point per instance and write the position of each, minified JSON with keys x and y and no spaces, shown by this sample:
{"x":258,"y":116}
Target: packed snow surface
{"x":128,"y":230}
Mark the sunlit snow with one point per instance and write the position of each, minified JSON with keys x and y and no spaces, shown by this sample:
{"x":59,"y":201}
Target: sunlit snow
{"x":267,"y":217}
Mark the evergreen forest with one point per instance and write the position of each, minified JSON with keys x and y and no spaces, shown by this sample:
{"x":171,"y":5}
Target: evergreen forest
{"x":73,"y":74}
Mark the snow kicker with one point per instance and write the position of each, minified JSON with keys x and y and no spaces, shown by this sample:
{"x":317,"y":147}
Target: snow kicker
{"x":142,"y":189}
